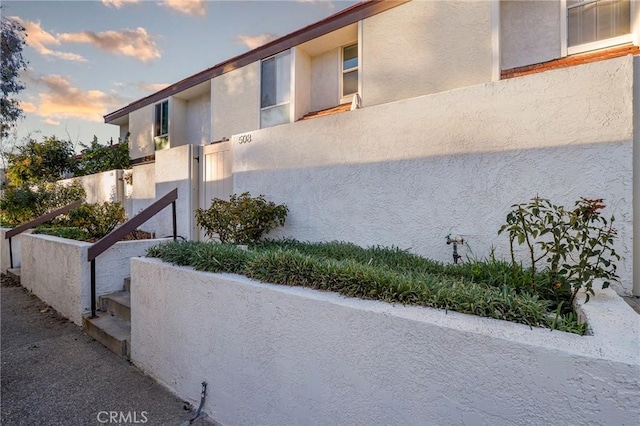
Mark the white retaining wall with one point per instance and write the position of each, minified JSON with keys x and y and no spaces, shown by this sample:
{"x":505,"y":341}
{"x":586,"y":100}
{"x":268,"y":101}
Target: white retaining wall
{"x":277,"y":355}
{"x":57,"y":271}
{"x":410,"y":172}
{"x":16,"y":249}
{"x":101,"y":187}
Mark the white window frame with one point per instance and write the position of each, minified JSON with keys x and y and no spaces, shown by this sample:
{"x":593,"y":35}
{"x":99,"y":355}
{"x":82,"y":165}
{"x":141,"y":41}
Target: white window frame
{"x":349,"y":97}
{"x":291,"y":87}
{"x":600,"y":44}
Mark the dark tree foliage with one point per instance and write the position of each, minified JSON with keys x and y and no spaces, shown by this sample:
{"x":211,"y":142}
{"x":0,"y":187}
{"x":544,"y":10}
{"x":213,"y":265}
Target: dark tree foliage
{"x":96,"y":158}
{"x":36,"y":162}
{"x":12,"y":38}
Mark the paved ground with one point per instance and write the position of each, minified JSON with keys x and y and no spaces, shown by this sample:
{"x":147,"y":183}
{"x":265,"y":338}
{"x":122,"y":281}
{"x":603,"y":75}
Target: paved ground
{"x":53,"y":374}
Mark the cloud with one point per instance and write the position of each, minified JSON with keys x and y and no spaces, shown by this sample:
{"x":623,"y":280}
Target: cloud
{"x":188,"y":7}
{"x":59,"y":99}
{"x":256,"y":41}
{"x":118,"y":3}
{"x":39,"y":39}
{"x":28,"y":107}
{"x":136,"y":43}
{"x":327,"y":3}
{"x":151,"y":87}
{"x":51,"y":122}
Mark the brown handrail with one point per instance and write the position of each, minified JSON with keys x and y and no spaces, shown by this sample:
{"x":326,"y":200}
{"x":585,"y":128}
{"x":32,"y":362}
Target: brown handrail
{"x":41,"y":219}
{"x":117,"y":234}
{"x":35,"y":222}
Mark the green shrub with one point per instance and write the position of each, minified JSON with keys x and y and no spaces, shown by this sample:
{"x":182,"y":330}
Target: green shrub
{"x":241,"y":220}
{"x":25,"y":203}
{"x":96,"y":158}
{"x":576,"y":245}
{"x":97,"y":219}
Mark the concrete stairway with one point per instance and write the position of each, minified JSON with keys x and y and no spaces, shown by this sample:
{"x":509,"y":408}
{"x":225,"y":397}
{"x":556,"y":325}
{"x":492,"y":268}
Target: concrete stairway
{"x":112,"y":324}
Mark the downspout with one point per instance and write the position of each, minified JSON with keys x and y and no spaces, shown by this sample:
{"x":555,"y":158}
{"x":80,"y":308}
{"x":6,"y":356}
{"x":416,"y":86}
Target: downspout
{"x":636,"y":176}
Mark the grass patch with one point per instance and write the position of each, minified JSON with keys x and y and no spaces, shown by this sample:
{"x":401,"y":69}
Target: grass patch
{"x":488,"y":288}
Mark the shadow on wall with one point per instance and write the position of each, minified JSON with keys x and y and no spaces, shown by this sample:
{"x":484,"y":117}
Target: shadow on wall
{"x":414,"y":204}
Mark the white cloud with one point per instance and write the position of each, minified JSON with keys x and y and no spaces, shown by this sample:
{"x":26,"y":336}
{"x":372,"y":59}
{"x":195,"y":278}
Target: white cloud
{"x":51,"y":122}
{"x":39,"y":39}
{"x":118,"y":3}
{"x":256,"y":41}
{"x":136,"y":43}
{"x":59,"y":99}
{"x":188,"y":7}
{"x":151,"y":87}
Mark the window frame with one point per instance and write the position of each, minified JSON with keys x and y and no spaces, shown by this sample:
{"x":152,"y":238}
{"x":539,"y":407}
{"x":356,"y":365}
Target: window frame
{"x":594,"y":45}
{"x":289,"y":102}
{"x":348,"y":97}
{"x":158,"y":122}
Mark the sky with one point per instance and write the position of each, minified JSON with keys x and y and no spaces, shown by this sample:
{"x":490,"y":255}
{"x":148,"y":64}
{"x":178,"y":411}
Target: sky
{"x":89,"y":58}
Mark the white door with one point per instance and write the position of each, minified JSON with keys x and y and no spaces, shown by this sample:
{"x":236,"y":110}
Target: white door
{"x":216,"y":180}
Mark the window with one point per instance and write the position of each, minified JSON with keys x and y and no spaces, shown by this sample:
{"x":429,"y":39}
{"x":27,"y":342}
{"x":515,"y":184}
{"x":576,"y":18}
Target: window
{"x":349,"y":70}
{"x":275,"y":92}
{"x":590,"y":21}
{"x":161,"y":124}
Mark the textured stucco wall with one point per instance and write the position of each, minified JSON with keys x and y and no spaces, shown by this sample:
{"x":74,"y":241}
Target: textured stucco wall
{"x":176,"y":168}
{"x":236,"y":101}
{"x":302,"y":82}
{"x":325,"y":80}
{"x":177,"y":122}
{"x":101,"y":187}
{"x":199,"y":120}
{"x":424,"y":47}
{"x":143,"y":190}
{"x":141,"y":128}
{"x":409,"y":173}
{"x":529,"y":32}
{"x":57,"y":271}
{"x":16,"y":250}
{"x":276,"y":355}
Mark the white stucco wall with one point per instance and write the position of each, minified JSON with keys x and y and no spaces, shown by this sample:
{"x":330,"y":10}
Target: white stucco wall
{"x":236,"y":101}
{"x":302,"y":82}
{"x":529,"y":32}
{"x":276,"y":355}
{"x":177,"y":122}
{"x":325,"y":80}
{"x":144,"y":190}
{"x":409,"y":173}
{"x":57,"y":271}
{"x":424,"y":47}
{"x":198,"y":118}
{"x":101,"y":187}
{"x":176,"y":168}
{"x":16,"y":250}
{"x":141,"y":128}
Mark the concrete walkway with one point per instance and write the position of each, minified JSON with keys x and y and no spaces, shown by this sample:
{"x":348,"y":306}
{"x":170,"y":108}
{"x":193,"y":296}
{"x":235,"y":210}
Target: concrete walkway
{"x":54,"y":374}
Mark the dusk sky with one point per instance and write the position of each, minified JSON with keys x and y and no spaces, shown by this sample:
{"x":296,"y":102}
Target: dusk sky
{"x":88,"y":58}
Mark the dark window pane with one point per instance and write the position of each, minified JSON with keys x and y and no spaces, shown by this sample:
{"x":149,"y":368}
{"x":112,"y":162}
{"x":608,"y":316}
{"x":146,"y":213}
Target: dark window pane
{"x":268,"y":83}
{"x":350,"y":57}
{"x":165,"y":117}
{"x":349,"y":82}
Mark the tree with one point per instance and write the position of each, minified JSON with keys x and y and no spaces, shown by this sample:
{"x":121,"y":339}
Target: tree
{"x":12,"y":39}
{"x":36,"y":162}
{"x":96,"y":158}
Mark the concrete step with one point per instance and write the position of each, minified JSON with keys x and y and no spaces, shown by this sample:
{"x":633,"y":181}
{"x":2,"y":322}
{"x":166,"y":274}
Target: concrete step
{"x":127,"y":284}
{"x":14,"y":274}
{"x":117,"y":304}
{"x":112,"y":332}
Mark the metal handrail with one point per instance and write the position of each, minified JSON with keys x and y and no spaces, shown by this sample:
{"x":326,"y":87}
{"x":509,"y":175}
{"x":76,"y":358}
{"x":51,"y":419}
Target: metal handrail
{"x":129,"y":226}
{"x":35,"y":222}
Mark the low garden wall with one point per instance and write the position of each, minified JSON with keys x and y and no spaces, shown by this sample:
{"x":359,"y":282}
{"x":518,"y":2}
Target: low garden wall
{"x":58,"y":272}
{"x":16,"y":249}
{"x":277,"y":355}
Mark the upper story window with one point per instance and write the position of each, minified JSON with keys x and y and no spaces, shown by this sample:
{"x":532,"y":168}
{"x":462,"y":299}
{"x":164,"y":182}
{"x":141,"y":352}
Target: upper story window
{"x":594,"y":21}
{"x":275,"y":90}
{"x":349,"y":70}
{"x":161,"y":119}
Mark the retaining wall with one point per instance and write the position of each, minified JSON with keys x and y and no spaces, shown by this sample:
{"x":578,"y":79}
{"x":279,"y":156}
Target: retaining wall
{"x":277,"y":355}
{"x":57,"y":271}
{"x":16,"y":249}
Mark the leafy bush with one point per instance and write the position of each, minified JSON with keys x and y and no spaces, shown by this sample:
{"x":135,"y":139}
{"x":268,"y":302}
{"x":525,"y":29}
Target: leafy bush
{"x":576,"y":245}
{"x":97,"y":219}
{"x":96,"y":158}
{"x":242,"y":219}
{"x":25,"y":203}
{"x":387,"y":274}
{"x":37,"y":162}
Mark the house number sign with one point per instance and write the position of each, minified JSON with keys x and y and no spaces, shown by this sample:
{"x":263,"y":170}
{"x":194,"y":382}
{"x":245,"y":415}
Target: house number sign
{"x":244,"y":138}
